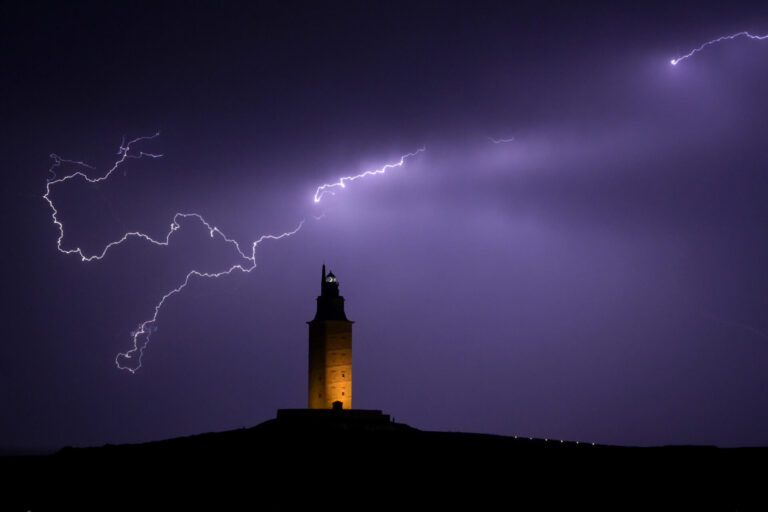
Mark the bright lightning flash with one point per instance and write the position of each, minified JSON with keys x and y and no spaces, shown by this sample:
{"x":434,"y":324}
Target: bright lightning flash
{"x":131,"y":359}
{"x":676,"y":61}
{"x":325,"y":189}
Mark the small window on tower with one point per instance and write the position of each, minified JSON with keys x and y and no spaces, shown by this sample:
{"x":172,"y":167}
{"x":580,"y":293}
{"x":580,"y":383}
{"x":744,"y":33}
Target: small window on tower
{"x":342,"y":375}
{"x":342,"y":393}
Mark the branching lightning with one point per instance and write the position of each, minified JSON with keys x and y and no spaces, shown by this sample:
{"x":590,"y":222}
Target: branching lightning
{"x":125,"y":154}
{"x":131,"y":359}
{"x":140,"y":337}
{"x":326,"y":188}
{"x":676,"y":61}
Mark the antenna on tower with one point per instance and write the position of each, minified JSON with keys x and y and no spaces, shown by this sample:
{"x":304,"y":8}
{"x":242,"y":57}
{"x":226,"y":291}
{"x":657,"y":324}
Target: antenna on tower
{"x":322,"y":280}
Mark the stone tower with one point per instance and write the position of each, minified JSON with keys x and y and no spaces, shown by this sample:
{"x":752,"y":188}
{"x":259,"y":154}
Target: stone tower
{"x":330,"y":349}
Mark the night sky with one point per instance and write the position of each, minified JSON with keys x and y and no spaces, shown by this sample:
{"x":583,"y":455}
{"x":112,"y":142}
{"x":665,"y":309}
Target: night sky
{"x":601,"y":278}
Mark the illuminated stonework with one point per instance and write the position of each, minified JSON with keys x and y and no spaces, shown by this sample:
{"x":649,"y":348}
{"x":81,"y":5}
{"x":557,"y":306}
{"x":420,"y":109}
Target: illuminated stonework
{"x":330,"y":349}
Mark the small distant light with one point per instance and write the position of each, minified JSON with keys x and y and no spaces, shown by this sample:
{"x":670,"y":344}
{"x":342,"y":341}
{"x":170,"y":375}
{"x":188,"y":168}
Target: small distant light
{"x":593,"y":444}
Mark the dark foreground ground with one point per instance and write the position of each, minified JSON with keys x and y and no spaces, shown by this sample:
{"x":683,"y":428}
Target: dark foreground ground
{"x":350,"y":460}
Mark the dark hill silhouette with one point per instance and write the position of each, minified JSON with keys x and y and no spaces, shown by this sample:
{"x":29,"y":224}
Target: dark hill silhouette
{"x":361,"y":460}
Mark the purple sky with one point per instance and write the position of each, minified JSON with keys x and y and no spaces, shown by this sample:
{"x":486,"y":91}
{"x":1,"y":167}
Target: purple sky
{"x":600,"y":278}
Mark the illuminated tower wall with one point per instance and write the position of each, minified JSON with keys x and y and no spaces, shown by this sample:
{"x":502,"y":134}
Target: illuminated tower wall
{"x":330,"y":349}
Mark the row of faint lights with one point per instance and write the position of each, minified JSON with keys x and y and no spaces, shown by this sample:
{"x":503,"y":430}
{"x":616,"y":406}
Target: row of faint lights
{"x":562,"y":441}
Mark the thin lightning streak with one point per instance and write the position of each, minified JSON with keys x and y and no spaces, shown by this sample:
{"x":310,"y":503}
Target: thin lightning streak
{"x":57,"y":161}
{"x":325,"y":189}
{"x":501,"y":141}
{"x":676,"y":61}
{"x":147,"y":327}
{"x":140,"y":337}
{"x":740,"y":325}
{"x":124,"y":153}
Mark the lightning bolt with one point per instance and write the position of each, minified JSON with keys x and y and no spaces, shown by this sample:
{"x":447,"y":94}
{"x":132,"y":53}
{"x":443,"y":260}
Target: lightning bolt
{"x":501,"y":141}
{"x":125,"y":154}
{"x":325,"y":189}
{"x":140,"y":337}
{"x":131,"y":359}
{"x":676,"y":61}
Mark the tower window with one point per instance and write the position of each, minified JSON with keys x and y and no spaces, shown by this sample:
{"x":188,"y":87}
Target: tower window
{"x":342,"y":393}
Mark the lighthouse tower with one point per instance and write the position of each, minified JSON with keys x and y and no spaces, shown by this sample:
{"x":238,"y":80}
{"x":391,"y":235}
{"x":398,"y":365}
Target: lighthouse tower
{"x":330,"y":349}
